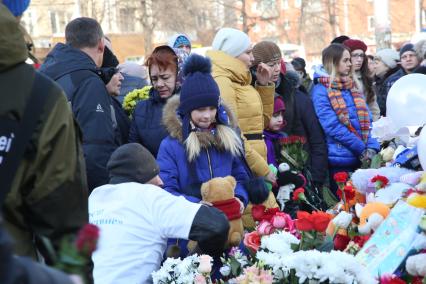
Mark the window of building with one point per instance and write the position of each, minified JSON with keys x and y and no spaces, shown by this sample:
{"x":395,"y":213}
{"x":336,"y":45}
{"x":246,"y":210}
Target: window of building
{"x":371,"y":24}
{"x":53,"y":22}
{"x":284,"y":4}
{"x":298,"y":3}
{"x":127,"y":19}
{"x":286,"y":24}
{"x":28,"y":22}
{"x":254,"y":7}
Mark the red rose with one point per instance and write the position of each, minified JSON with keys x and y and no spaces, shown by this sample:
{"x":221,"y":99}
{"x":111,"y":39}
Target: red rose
{"x":380,"y":181}
{"x":341,"y":177}
{"x":349,"y":192}
{"x":252,"y":241}
{"x":299,"y":194}
{"x":391,"y":279}
{"x":257,"y":211}
{"x":320,"y":220}
{"x":341,"y":242}
{"x":304,"y":221}
{"x":87,"y":239}
{"x":361,"y":240}
{"x":269,"y":213}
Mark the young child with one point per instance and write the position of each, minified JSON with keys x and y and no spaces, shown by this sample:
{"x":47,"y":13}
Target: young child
{"x":273,"y":133}
{"x":202,"y":143}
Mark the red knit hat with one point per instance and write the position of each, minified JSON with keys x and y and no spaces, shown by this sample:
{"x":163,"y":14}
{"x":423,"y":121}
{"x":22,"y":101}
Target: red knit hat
{"x":354,"y":44}
{"x":279,"y":104}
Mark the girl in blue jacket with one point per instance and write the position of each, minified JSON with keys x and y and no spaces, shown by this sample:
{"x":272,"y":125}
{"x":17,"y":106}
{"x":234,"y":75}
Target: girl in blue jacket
{"x":343,"y":113}
{"x":202,"y":143}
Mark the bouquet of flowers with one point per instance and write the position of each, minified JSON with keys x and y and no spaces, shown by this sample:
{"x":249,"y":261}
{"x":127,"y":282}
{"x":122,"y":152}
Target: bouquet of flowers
{"x":132,"y":98}
{"x":292,"y":152}
{"x":192,"y":269}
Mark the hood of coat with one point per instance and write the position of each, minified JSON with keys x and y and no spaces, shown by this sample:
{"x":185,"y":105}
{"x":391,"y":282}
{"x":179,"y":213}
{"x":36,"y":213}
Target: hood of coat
{"x":225,"y":137}
{"x":13,"y":49}
{"x":230,"y":67}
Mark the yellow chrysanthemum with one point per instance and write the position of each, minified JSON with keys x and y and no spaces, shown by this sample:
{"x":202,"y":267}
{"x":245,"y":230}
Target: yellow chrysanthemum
{"x":417,"y":200}
{"x":132,"y":98}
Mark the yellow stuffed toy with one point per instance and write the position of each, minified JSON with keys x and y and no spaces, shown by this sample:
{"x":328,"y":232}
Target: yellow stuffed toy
{"x":371,"y":216}
{"x":220,"y":192}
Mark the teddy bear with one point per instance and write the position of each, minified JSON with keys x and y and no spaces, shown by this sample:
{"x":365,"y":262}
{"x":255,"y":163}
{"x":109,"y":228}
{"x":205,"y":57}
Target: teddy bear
{"x":371,"y":216}
{"x":220,"y":193}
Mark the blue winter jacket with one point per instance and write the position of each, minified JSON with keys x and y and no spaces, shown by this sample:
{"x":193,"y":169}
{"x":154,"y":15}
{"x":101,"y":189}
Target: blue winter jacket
{"x":183,"y":178}
{"x":147,"y":128}
{"x":91,"y":105}
{"x":344,"y":147}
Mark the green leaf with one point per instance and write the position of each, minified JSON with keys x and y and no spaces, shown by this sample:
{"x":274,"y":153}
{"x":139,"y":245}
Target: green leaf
{"x":235,"y":267}
{"x":327,"y":245}
{"x":376,"y":161}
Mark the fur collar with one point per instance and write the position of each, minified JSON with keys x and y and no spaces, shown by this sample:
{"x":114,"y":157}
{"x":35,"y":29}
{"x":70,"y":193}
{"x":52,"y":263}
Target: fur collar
{"x":225,"y":137}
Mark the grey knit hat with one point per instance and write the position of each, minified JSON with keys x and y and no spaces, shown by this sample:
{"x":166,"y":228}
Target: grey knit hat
{"x":132,"y":163}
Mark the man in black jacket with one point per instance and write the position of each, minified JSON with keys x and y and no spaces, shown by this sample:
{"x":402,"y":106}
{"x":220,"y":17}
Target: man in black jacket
{"x":75,"y":66}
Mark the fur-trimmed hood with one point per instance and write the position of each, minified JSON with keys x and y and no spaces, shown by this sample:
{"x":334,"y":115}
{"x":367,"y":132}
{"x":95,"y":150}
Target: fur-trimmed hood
{"x":225,"y":137}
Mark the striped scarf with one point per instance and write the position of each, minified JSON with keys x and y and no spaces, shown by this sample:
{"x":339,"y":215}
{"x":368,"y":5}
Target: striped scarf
{"x":338,"y":103}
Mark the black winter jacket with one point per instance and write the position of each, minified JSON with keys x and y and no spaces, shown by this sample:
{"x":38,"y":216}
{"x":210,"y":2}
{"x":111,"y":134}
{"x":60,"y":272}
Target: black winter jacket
{"x":91,"y":104}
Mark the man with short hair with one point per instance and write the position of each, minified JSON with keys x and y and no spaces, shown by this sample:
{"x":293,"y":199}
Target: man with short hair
{"x":136,"y":217}
{"x":75,"y":67}
{"x":409,"y":62}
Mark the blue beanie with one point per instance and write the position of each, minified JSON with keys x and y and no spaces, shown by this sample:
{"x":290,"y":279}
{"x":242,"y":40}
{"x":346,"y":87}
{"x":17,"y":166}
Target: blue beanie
{"x":198,"y":90}
{"x":405,"y":48}
{"x":17,"y":7}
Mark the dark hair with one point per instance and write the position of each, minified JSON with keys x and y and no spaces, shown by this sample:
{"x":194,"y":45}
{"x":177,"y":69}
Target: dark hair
{"x":339,"y":39}
{"x":331,"y":56}
{"x":163,"y":56}
{"x":367,"y":81}
{"x":83,"y":32}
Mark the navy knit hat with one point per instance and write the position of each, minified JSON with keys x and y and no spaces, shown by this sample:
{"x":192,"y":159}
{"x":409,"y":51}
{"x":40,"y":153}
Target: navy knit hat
{"x":198,"y":90}
{"x":17,"y":7}
{"x":405,"y":48}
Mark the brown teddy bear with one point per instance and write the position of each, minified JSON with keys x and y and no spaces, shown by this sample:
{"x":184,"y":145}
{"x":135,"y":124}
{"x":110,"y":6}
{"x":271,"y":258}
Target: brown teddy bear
{"x":220,"y":192}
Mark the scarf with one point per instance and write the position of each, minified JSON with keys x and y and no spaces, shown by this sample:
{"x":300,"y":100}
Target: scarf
{"x":339,"y":106}
{"x":231,"y":208}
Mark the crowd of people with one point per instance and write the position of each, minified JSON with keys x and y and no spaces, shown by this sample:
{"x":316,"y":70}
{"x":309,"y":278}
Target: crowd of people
{"x":77,"y":157}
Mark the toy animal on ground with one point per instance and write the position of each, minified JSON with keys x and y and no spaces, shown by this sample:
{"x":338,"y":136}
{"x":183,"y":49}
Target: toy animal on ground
{"x":371,"y":216}
{"x":220,"y":192}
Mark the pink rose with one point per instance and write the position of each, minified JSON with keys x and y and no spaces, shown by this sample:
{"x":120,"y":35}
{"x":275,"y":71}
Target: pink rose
{"x":252,"y":241}
{"x":200,"y":279}
{"x":205,"y":264}
{"x":265,"y":228}
{"x":279,"y":221}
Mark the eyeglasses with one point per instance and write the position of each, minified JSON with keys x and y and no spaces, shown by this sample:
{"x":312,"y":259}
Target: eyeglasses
{"x":358,"y":55}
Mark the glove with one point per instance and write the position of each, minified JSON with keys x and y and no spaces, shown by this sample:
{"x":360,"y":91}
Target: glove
{"x":257,"y":190}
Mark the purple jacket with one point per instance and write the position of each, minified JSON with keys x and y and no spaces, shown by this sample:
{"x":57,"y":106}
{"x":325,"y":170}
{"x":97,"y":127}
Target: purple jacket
{"x":271,"y":141}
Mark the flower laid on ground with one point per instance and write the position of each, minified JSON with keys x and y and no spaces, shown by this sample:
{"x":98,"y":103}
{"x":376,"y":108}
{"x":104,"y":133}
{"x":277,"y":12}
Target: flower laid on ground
{"x":261,"y":213}
{"x":315,"y":221}
{"x":234,"y":263}
{"x":192,"y":269}
{"x":380,"y":181}
{"x":299,"y":195}
{"x":253,"y":274}
{"x":348,"y":192}
{"x":341,"y":177}
{"x":132,"y":98}
{"x":341,"y":242}
{"x":390,"y":279}
{"x":252,"y":241}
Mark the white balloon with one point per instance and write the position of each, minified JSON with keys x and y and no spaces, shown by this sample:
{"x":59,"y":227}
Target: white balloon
{"x":421,"y":148}
{"x":406,"y":101}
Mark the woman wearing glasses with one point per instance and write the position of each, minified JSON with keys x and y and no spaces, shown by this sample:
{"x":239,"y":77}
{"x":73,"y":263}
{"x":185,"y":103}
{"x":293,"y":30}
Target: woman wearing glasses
{"x":361,"y":74}
{"x":146,"y":127}
{"x":343,"y":113}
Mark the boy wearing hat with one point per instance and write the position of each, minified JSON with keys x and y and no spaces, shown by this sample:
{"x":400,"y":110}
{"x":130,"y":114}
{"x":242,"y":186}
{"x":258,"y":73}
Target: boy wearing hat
{"x":136,"y":216}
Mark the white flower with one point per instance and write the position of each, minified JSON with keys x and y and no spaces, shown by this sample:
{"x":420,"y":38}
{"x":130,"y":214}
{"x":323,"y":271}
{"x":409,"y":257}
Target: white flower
{"x":279,"y":242}
{"x":343,"y":219}
{"x":225,"y":270}
{"x":416,"y":265}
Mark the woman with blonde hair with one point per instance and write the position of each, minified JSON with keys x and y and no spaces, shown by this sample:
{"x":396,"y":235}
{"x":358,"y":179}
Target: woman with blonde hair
{"x":342,"y":112}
